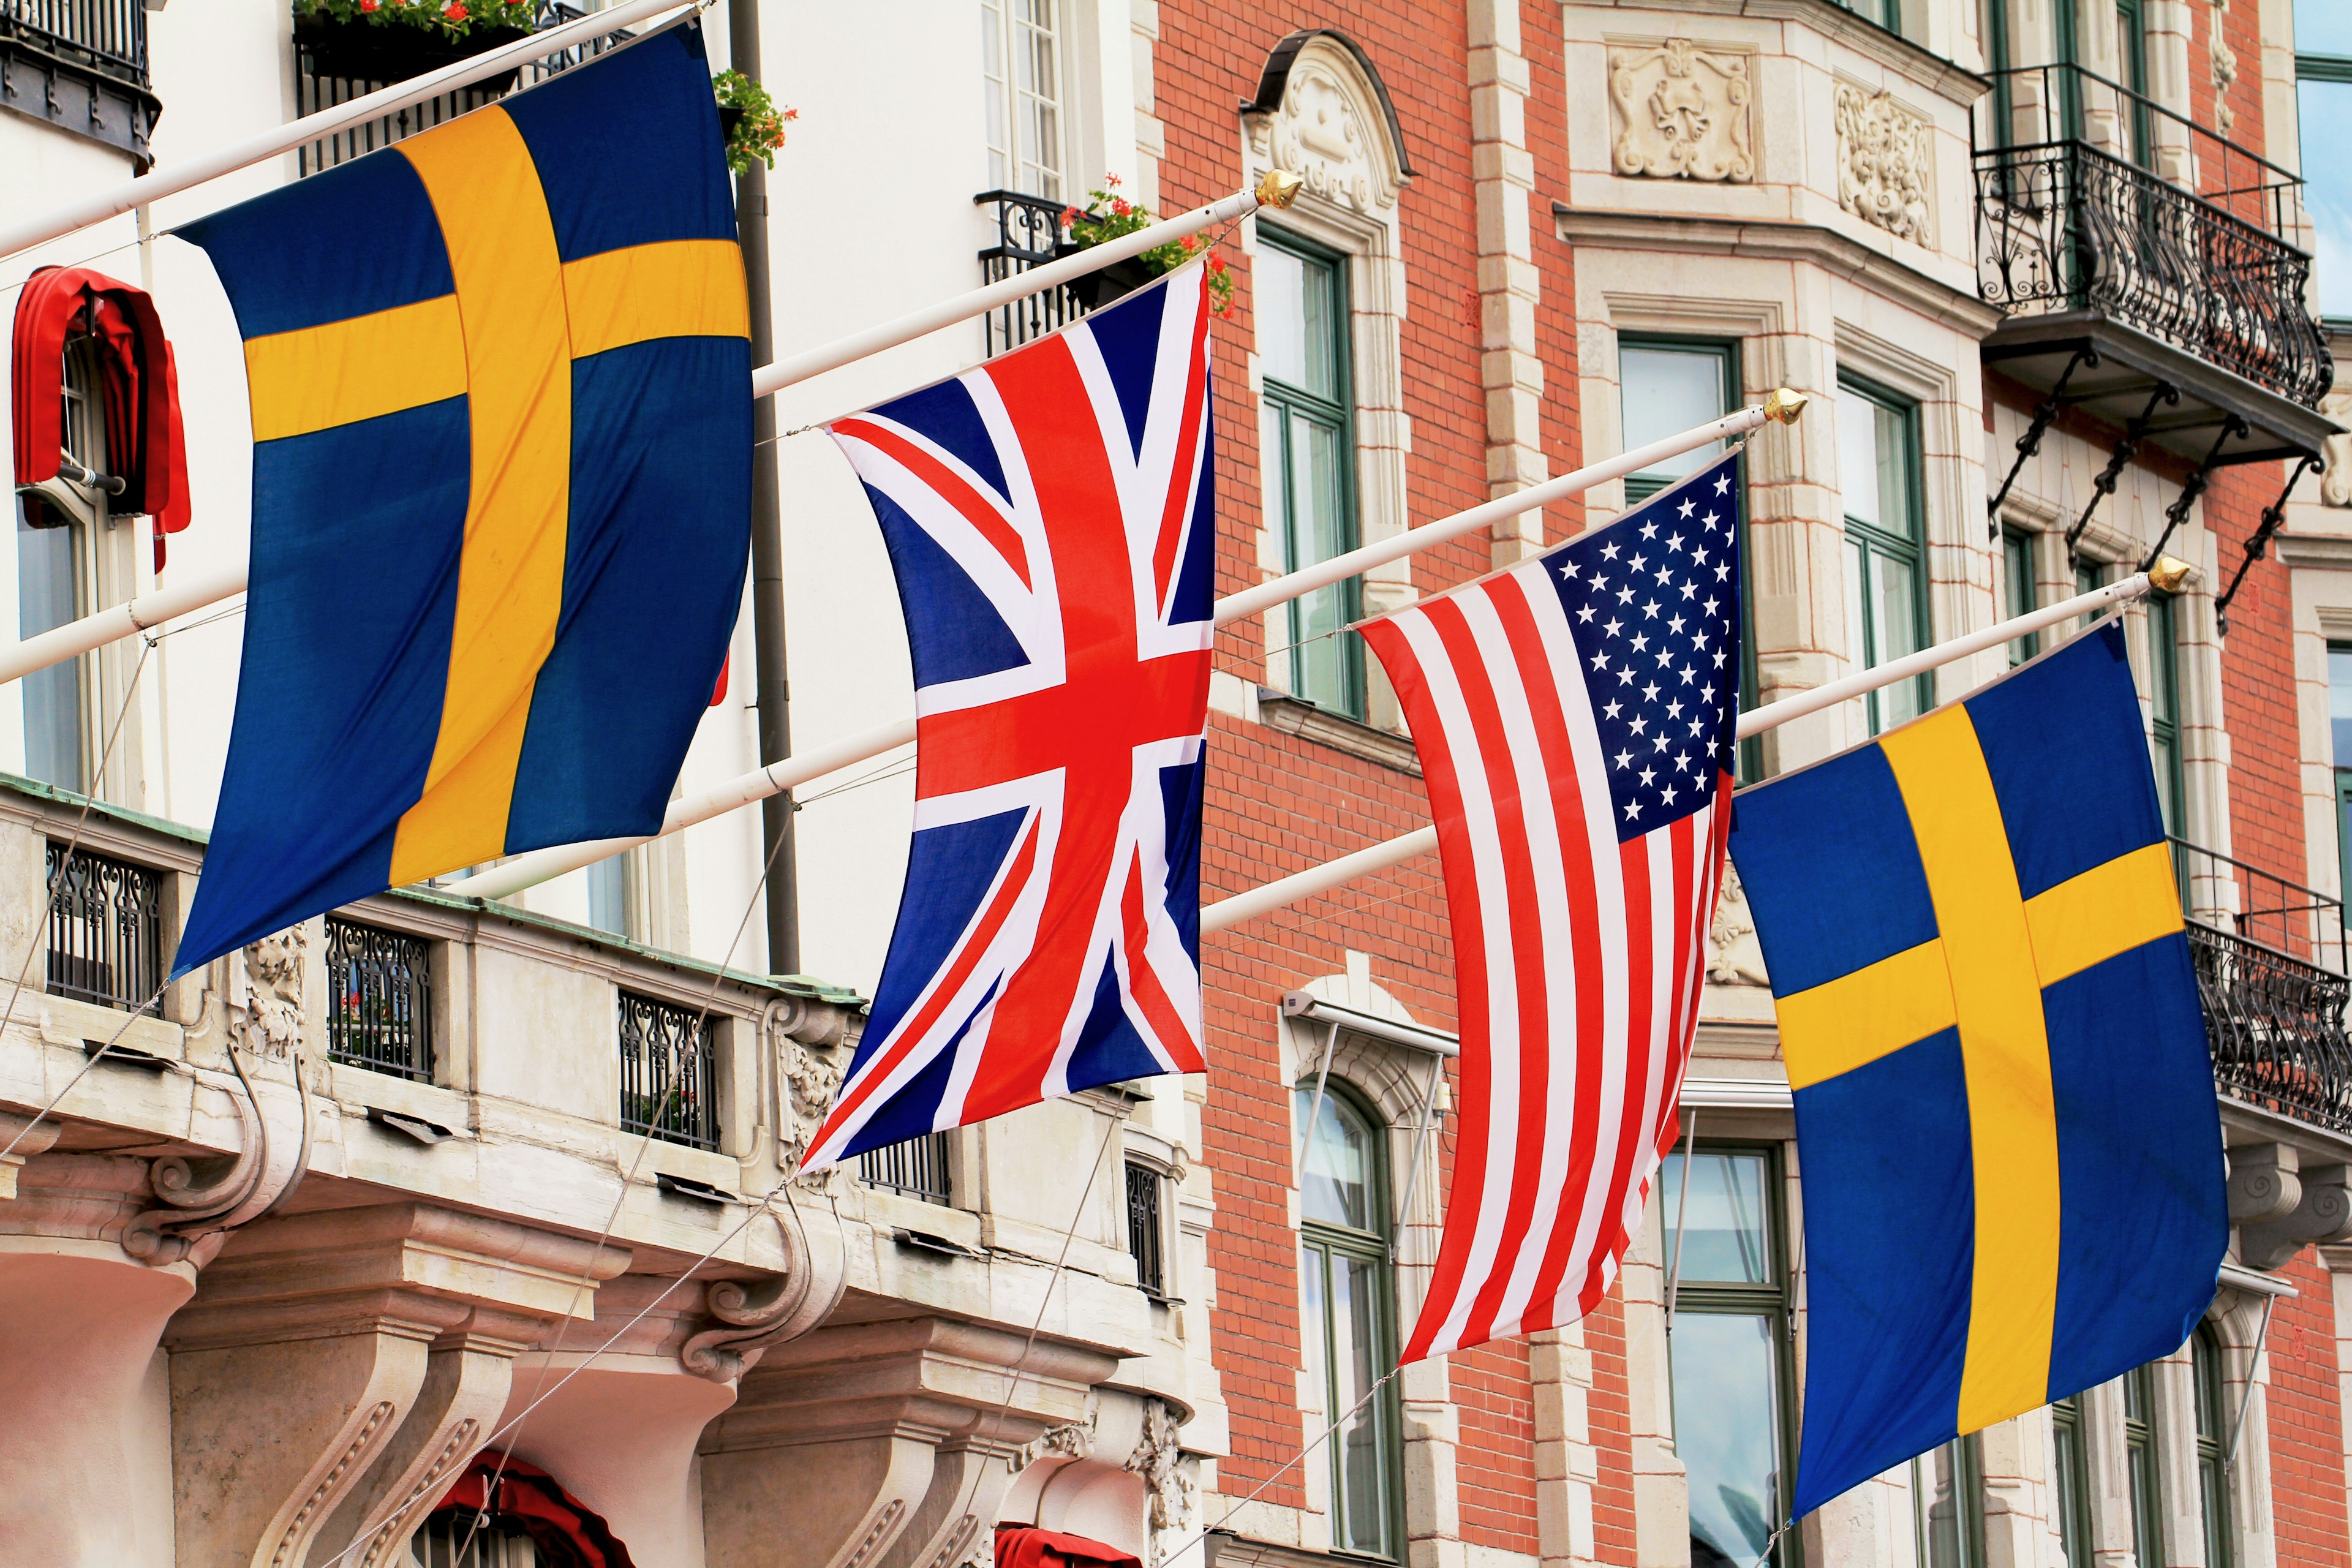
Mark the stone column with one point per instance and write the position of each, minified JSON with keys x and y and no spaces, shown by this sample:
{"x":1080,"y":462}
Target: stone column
{"x":1567,"y":1463}
{"x":1503,"y":173}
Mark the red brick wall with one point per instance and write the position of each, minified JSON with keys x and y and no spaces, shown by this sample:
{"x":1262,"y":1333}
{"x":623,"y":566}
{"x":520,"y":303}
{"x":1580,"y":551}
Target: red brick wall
{"x":2307,"y":1428}
{"x":2258,"y":692}
{"x":1613,"y":1424}
{"x":1278,"y":803}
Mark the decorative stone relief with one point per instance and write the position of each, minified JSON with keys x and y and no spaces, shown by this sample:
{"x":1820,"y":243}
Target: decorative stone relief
{"x":1072,"y":1440}
{"x":1885,"y":154}
{"x":1329,"y":132}
{"x":748,"y":1316}
{"x":2225,"y":68}
{"x":1734,"y":956}
{"x":2335,"y":453}
{"x":1174,"y":1481}
{"x":1682,"y":111}
{"x":272,"y":1025}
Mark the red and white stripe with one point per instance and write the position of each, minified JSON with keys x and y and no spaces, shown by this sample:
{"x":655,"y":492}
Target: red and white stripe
{"x":1579,"y":960}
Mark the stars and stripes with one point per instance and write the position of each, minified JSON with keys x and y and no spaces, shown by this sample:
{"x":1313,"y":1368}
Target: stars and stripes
{"x":1574,"y":720}
{"x":1051,"y":525}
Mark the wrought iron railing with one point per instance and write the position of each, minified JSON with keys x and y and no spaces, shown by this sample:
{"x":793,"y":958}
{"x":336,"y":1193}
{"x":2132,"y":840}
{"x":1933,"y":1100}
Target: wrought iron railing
{"x":380,"y":1012}
{"x":2270,"y":957}
{"x":317,"y":87}
{"x":106,"y":929}
{"x":1145,"y":1240}
{"x":669,"y":1072}
{"x":108,"y":35}
{"x":2077,"y":209}
{"x":918,"y":1168}
{"x":1028,"y":233}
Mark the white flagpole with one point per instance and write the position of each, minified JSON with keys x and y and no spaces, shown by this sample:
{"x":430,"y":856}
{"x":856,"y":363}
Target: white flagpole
{"x":538,"y":864}
{"x":2166,"y":575}
{"x":113,"y":201}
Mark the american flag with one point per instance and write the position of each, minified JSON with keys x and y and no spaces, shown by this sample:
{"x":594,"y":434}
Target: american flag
{"x":1574,"y":720}
{"x":1050,"y":520}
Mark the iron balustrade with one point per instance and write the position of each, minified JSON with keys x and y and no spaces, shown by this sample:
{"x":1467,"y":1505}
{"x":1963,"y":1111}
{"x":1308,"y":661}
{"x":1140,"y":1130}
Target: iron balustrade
{"x":1028,"y":233}
{"x":1145,"y":1239}
{"x":317,"y":87}
{"x":669,"y":1072}
{"x":2270,"y":957}
{"x":916,"y":1168}
{"x":2075,"y":212}
{"x":106,"y":929}
{"x":108,"y":36}
{"x":380,"y":1015}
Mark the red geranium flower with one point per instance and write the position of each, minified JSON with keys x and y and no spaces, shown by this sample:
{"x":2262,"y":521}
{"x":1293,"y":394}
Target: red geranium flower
{"x":1216,"y":264}
{"x":454,"y":11}
{"x":1120,"y":208}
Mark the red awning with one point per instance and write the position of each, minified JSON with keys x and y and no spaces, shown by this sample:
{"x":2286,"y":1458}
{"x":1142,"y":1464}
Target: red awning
{"x":563,"y":1529}
{"x":144,"y":442}
{"x":1026,"y":1546}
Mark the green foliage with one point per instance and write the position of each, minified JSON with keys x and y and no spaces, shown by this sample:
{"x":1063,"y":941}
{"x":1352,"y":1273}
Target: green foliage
{"x":1107,"y":216}
{"x":757,"y":129}
{"x":454,"y":17}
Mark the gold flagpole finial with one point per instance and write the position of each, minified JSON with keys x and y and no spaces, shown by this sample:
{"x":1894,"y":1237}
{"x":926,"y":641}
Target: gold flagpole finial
{"x":1783,"y":406}
{"x":2168,"y":573}
{"x":1278,"y":188}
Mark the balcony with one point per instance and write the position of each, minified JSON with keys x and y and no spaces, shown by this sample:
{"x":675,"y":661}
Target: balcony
{"x":81,"y":65}
{"x":1028,"y":233}
{"x":2270,"y":957}
{"x":2148,"y":268}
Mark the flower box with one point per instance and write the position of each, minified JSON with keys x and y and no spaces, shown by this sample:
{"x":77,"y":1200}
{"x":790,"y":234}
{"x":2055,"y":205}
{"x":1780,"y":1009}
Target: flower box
{"x":394,"y":50}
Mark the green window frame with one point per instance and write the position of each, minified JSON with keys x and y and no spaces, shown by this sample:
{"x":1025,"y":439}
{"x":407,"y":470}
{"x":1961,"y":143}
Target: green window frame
{"x":1348,"y":1314}
{"x":2131,"y":61}
{"x":2143,"y":1465}
{"x":2164,"y":710}
{"x":1948,"y":1505}
{"x":1641,"y":359}
{"x":1731,"y":1344}
{"x":2212,"y":1477}
{"x":2340,"y":728}
{"x":1308,"y":445}
{"x":2019,"y":590}
{"x":1886,"y":543}
{"x":2323,"y":96}
{"x":2072,"y":1478}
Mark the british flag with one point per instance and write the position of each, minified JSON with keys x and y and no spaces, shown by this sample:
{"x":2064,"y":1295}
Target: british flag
{"x":1050,"y":520}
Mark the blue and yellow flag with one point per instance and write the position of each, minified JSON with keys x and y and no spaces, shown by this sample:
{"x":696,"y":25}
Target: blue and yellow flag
{"x":2010,"y":1148}
{"x":500,"y":376}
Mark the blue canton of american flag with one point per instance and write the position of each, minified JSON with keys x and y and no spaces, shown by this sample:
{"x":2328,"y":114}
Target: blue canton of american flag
{"x":1654,"y":604}
{"x":1574,"y":720}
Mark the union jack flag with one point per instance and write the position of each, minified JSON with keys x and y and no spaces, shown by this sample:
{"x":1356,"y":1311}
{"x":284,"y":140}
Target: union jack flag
{"x":1050,"y":520}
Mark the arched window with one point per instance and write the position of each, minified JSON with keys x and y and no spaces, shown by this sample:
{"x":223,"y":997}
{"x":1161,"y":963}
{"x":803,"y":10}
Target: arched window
{"x":2212,"y":1436}
{"x":1348,"y":1307}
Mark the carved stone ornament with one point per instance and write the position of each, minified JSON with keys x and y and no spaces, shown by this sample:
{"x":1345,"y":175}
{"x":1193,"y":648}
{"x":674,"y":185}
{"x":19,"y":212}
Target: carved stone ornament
{"x":1330,"y":132}
{"x":748,"y":1316}
{"x":2335,"y":453}
{"x":1072,"y":1440}
{"x":272,"y":1025}
{"x":1681,"y":111}
{"x":203,"y":1199}
{"x":1734,"y":956}
{"x":1885,"y":155}
{"x":2225,"y":68}
{"x":1159,"y":1458}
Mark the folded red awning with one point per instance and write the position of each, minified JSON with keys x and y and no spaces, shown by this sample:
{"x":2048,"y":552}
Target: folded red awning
{"x":565,"y":1530}
{"x":1026,"y":1546}
{"x":140,"y":391}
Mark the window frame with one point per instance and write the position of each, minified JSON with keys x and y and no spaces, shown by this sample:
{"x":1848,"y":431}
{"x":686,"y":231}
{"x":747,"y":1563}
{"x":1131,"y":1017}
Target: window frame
{"x":2207,"y":1368}
{"x":1776,"y":1299}
{"x":2020,"y":589}
{"x":2165,"y":720}
{"x":1749,"y":766}
{"x":1320,"y":1238}
{"x":2070,"y":1440}
{"x":2341,"y":767}
{"x":1337,"y":412}
{"x":1002,"y":24}
{"x":1968,"y":1467}
{"x":1876,"y":538}
{"x":2142,"y":1463}
{"x":1155,"y":1282}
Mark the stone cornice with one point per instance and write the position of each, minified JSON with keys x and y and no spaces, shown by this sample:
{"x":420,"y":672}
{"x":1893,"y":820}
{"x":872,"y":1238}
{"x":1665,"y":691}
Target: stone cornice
{"x":1831,"y":20}
{"x":1809,"y":243}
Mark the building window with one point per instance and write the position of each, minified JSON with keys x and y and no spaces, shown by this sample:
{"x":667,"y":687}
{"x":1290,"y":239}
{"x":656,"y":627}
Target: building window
{"x":1020,"y":53}
{"x":379,"y":1006}
{"x":1666,"y":385}
{"x":2142,"y":1467}
{"x":1309,"y":453}
{"x":1348,"y":1303}
{"x":669,"y":1072}
{"x":1948,"y":1506}
{"x":2212,"y":1481}
{"x":1886,"y":543}
{"x":2090,"y":577}
{"x":2072,"y":1466}
{"x":916,"y":1168}
{"x":2018,"y":592}
{"x":2323,"y":96}
{"x":53,"y":573}
{"x":608,"y":895}
{"x":1146,"y":1236}
{"x":2340,"y":728}
{"x":2164,"y":705}
{"x":1728,"y":1347}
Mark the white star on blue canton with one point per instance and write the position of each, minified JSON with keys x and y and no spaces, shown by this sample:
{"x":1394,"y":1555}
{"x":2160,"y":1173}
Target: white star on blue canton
{"x":1568,"y":569}
{"x":1689,"y":505}
{"x":1649,"y":531}
{"x":1722,"y":483}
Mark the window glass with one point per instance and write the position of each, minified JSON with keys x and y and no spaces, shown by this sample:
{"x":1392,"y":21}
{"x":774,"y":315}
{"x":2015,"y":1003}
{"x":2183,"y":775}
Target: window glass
{"x":1948,"y":1505}
{"x":2072,"y":1478}
{"x":2164,"y":705}
{"x":1724,"y":1234}
{"x":2213,"y":1480}
{"x":1726,"y":1384}
{"x":2323,"y":95}
{"x":1347,"y":1302}
{"x":2140,"y":1465}
{"x":2018,"y":590}
{"x":608,"y":894}
{"x":1665,"y":390}
{"x":1307,"y":444}
{"x":2339,"y":713}
{"x":1020,"y":71}
{"x":2322,"y":27}
{"x":1886,"y":544}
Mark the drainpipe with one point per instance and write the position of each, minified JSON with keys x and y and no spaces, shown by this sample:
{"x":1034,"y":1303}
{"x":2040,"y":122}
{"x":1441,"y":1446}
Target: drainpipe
{"x":774,"y":692}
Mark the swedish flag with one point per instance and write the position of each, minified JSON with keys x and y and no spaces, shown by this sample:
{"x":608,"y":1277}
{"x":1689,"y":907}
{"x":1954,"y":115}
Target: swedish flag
{"x":501,"y":379}
{"x":2012,"y":1150}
